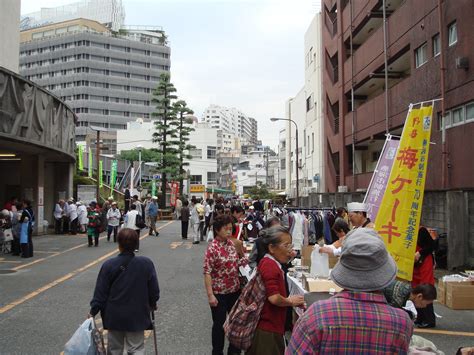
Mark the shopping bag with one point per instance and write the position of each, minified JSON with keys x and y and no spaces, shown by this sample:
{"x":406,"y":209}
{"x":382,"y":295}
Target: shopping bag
{"x":81,"y":342}
{"x":98,"y":339}
{"x":8,"y":235}
{"x":210,"y":236}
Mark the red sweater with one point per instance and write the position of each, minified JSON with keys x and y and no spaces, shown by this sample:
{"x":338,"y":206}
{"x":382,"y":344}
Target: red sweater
{"x":272,"y":318}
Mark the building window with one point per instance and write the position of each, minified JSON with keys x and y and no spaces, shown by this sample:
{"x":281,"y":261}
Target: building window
{"x":436,"y":45}
{"x":211,"y":177}
{"x":452,"y":34}
{"x":309,"y":103}
{"x":457,"y":116}
{"x":470,"y":112}
{"x":282,"y":164}
{"x":196,"y":153}
{"x":420,"y":55}
{"x":196,"y":179}
{"x":211,"y":152}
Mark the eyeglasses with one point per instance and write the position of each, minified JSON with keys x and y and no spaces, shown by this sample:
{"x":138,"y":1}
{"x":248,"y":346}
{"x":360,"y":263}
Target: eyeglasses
{"x":287,"y":246}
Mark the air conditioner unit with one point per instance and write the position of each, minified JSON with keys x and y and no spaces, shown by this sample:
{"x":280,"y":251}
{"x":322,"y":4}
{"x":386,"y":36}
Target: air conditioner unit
{"x":462,"y":63}
{"x":342,"y":189}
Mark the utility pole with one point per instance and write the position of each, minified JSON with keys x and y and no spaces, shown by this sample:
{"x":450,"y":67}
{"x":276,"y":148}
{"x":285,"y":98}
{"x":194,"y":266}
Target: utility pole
{"x":266,"y":167}
{"x":97,"y":156}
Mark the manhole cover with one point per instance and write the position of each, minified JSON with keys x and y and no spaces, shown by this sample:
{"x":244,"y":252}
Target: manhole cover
{"x":5,"y":272}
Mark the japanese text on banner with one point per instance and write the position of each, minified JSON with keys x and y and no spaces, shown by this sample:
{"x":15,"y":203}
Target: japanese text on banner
{"x":399,"y":215}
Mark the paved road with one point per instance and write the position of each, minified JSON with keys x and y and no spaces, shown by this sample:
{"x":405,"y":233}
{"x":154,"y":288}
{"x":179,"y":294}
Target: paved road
{"x":46,"y":298}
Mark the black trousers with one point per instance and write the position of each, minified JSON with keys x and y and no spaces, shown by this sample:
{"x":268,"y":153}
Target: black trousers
{"x":65,"y":225}
{"x":426,"y":315}
{"x":58,"y":223}
{"x":184,"y":229}
{"x":16,"y":246}
{"x":219,"y":314}
{"x":206,"y":226}
{"x":96,"y":239}
{"x":74,"y":226}
{"x":111,"y":229}
{"x":201,"y":229}
{"x":138,"y":240}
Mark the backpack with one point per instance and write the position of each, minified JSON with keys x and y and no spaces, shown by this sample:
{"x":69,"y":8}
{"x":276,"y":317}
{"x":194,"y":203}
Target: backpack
{"x":139,"y":223}
{"x":243,"y":319}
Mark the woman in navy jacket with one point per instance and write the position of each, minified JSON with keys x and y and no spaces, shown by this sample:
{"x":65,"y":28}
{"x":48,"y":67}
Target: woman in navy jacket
{"x":125,"y":293}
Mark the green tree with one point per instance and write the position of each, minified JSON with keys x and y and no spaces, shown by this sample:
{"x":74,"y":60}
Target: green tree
{"x":165,"y":132}
{"x":148,"y":155}
{"x":260,"y":191}
{"x":184,"y":129}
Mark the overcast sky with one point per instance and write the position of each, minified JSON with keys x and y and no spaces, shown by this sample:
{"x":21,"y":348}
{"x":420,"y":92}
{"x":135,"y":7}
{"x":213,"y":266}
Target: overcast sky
{"x":246,"y":54}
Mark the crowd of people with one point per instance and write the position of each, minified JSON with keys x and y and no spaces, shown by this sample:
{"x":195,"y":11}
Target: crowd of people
{"x":371,"y":314}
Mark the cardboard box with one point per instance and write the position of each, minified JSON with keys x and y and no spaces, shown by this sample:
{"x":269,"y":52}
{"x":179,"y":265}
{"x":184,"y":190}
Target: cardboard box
{"x":321,"y":285}
{"x":333,"y":261}
{"x":306,"y":255}
{"x":460,"y":295}
{"x":441,"y":292}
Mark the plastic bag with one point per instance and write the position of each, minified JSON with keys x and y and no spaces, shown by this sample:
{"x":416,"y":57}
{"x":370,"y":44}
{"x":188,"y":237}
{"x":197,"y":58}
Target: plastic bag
{"x":319,"y":263}
{"x":81,"y":342}
{"x":210,"y":236}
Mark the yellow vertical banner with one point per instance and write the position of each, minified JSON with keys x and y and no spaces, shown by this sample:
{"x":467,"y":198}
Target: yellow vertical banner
{"x":399,"y":215}
{"x":80,"y":153}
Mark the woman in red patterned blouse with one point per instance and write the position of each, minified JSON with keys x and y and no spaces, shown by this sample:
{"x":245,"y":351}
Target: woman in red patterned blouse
{"x":221,"y":278}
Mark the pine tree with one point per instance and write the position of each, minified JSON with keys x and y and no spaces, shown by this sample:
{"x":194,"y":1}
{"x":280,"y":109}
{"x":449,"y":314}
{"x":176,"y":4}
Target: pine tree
{"x":165,"y":132}
{"x":184,"y":128}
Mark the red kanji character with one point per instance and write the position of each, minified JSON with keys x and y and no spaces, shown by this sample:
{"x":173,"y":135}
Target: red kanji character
{"x":414,"y":133}
{"x":408,"y":157}
{"x":416,"y":121}
{"x":390,"y":231}
{"x":402,"y":182}
{"x":394,"y":210}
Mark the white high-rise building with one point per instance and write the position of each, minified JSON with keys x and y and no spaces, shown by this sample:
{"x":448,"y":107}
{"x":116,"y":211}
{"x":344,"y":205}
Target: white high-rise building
{"x":233,"y":121}
{"x":110,"y":13}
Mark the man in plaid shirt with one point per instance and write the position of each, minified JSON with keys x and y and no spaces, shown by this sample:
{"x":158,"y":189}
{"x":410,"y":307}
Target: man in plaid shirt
{"x":357,"y":320}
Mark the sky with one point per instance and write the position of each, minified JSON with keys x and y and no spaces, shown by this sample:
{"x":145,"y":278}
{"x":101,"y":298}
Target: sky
{"x":247,"y":54}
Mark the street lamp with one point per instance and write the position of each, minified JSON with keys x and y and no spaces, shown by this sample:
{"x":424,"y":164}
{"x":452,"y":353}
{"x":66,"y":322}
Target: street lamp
{"x":97,"y":157}
{"x":274,"y":119}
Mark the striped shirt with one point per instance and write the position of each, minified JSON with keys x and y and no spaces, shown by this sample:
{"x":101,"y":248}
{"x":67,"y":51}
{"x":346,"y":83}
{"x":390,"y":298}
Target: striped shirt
{"x":352,"y":323}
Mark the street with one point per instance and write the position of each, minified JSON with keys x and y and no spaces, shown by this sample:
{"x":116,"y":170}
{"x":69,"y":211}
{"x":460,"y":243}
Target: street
{"x":44,"y":299}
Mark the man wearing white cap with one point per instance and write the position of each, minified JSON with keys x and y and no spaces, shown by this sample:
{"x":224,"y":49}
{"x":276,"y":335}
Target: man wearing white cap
{"x":357,"y":320}
{"x":358,"y":215}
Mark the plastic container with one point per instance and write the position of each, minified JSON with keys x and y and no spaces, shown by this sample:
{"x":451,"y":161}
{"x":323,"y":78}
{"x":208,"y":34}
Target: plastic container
{"x":319,"y":263}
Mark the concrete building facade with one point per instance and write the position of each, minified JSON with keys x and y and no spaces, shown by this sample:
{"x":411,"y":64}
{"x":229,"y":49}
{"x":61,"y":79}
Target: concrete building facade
{"x":306,"y":110}
{"x":111,"y":13}
{"x":107,"y":78}
{"x":9,"y":34}
{"x":233,"y":121}
{"x":429,"y":55}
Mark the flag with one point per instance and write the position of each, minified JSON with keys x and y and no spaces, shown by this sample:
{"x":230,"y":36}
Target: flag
{"x":80,"y":151}
{"x":89,"y":168}
{"x":153,"y":187}
{"x":101,"y":182}
{"x":113,"y":174}
{"x":379,"y":180}
{"x":398,"y":219}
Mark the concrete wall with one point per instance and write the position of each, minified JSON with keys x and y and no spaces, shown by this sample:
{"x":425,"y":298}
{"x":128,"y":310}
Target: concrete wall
{"x":10,"y":34}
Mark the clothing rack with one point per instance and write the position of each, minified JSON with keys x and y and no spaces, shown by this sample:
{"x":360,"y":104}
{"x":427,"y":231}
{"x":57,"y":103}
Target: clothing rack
{"x":305,"y":209}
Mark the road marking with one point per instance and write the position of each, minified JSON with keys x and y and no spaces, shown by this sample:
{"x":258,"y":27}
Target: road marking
{"x":62,"y":279}
{"x":444,"y":332}
{"x":174,"y":245}
{"x":11,"y":261}
{"x":45,"y":252}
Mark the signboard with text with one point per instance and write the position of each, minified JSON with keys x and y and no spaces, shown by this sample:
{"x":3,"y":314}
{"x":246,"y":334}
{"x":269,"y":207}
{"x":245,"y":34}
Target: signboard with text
{"x":197,"y":188}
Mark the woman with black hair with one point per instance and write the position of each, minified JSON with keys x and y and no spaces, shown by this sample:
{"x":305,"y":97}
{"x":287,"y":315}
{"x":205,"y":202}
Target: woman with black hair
{"x":27,"y":221}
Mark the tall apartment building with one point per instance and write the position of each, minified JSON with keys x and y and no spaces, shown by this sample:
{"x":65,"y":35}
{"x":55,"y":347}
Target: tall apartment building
{"x":233,"y":121}
{"x":429,"y":51}
{"x":107,"y":78}
{"x":111,"y":13}
{"x":306,"y":110}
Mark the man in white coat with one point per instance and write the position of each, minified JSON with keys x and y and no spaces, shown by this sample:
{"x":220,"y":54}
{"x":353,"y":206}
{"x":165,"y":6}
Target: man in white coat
{"x":82,"y":216}
{"x":72,"y":214}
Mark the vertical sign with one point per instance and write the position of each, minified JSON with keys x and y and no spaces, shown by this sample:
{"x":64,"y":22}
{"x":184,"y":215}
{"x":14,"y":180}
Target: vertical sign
{"x":174,"y":193}
{"x":80,"y":162}
{"x":113,"y":174}
{"x":101,"y":182}
{"x":399,"y":215}
{"x":153,"y":187}
{"x":89,"y":167}
{"x":378,"y":184}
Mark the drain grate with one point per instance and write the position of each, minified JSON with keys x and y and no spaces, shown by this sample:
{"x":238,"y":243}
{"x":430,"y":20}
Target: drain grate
{"x":6,"y":272}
